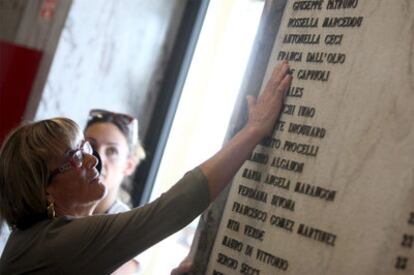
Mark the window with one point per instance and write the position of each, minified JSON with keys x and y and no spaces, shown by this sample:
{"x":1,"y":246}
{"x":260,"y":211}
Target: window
{"x":204,"y":110}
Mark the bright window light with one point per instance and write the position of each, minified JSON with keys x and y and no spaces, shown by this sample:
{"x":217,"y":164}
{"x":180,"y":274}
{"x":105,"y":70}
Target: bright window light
{"x":204,"y":110}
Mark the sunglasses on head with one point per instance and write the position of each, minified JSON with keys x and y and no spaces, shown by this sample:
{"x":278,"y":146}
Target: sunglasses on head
{"x":108,"y":115}
{"x":124,"y":120}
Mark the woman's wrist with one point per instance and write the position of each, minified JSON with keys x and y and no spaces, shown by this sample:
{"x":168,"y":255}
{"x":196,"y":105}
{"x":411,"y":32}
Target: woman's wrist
{"x":255,"y":132}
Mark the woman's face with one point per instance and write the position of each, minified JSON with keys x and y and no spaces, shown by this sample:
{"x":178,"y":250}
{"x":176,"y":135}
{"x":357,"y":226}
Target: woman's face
{"x":113,"y":149}
{"x":77,"y":189}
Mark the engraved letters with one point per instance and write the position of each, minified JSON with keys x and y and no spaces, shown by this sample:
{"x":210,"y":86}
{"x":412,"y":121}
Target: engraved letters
{"x":249,"y":211}
{"x":252,"y":174}
{"x":315,"y":191}
{"x":304,"y":22}
{"x":305,"y":39}
{"x":279,"y":201}
{"x":287,"y":164}
{"x":342,"y":22}
{"x":272,"y":260}
{"x":232,"y":243}
{"x":316,"y":234}
{"x":281,"y":222}
{"x":306,"y":130}
{"x":277,"y":181}
{"x":341,"y":4}
{"x":227,"y":261}
{"x":307,"y":5}
{"x":301,"y":148}
{"x":253,"y":232}
{"x":252,"y":193}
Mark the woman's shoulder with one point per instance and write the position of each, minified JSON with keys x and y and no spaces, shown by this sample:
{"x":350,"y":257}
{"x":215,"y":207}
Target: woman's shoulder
{"x":118,"y":207}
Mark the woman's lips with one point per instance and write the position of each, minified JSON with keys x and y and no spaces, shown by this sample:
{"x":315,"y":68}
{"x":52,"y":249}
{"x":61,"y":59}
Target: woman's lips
{"x":96,"y":177}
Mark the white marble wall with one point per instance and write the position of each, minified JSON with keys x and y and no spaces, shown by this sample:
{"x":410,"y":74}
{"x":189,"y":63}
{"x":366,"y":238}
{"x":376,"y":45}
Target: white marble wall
{"x":361,"y":221}
{"x":107,"y":55}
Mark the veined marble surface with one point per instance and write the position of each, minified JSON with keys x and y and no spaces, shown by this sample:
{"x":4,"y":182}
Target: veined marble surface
{"x":107,"y":56}
{"x":349,"y":205}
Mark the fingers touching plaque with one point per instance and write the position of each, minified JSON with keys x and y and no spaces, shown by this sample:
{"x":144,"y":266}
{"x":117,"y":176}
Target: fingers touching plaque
{"x":280,"y":79}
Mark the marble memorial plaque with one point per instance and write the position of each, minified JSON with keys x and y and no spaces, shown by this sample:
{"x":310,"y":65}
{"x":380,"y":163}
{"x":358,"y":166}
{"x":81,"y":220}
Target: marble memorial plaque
{"x":332,"y":191}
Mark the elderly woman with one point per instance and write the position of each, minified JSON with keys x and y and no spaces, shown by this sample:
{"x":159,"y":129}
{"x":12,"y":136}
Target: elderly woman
{"x":49,"y":188}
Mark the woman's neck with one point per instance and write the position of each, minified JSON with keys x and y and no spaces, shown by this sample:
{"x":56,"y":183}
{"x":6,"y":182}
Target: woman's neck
{"x":105,"y":204}
{"x":75,"y":212}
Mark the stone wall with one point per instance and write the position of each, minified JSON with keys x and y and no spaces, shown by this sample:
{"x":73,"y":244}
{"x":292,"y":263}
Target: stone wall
{"x":331,"y":191}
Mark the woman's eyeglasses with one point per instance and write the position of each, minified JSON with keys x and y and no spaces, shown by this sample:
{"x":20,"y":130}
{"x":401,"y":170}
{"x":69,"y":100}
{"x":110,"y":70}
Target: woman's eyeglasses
{"x":73,"y":159}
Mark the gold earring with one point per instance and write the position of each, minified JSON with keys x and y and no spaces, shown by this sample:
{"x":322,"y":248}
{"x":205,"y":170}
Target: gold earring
{"x":51,"y":210}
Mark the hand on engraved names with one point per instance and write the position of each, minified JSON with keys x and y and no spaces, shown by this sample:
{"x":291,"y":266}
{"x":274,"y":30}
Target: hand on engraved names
{"x":264,"y":111}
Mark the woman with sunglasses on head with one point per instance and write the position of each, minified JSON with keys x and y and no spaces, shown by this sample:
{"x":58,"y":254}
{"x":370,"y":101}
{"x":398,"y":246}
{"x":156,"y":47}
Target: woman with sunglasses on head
{"x":115,"y":137}
{"x":50,"y":187}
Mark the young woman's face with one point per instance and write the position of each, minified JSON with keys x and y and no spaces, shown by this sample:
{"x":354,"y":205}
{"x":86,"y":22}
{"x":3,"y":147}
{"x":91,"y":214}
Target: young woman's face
{"x":113,"y":149}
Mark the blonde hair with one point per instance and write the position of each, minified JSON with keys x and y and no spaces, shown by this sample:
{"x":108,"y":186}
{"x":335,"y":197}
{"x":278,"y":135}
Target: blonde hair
{"x":24,"y":171}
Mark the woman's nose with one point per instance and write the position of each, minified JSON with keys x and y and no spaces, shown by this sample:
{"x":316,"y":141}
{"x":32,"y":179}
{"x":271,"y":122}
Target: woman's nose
{"x":90,"y":160}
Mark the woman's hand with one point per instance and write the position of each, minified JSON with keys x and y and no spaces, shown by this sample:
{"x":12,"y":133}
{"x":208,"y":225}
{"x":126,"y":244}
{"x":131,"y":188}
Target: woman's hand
{"x":263,"y":114}
{"x":264,"y":111}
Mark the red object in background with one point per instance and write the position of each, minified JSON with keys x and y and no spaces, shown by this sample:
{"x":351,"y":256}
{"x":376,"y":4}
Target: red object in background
{"x":18,"y":68}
